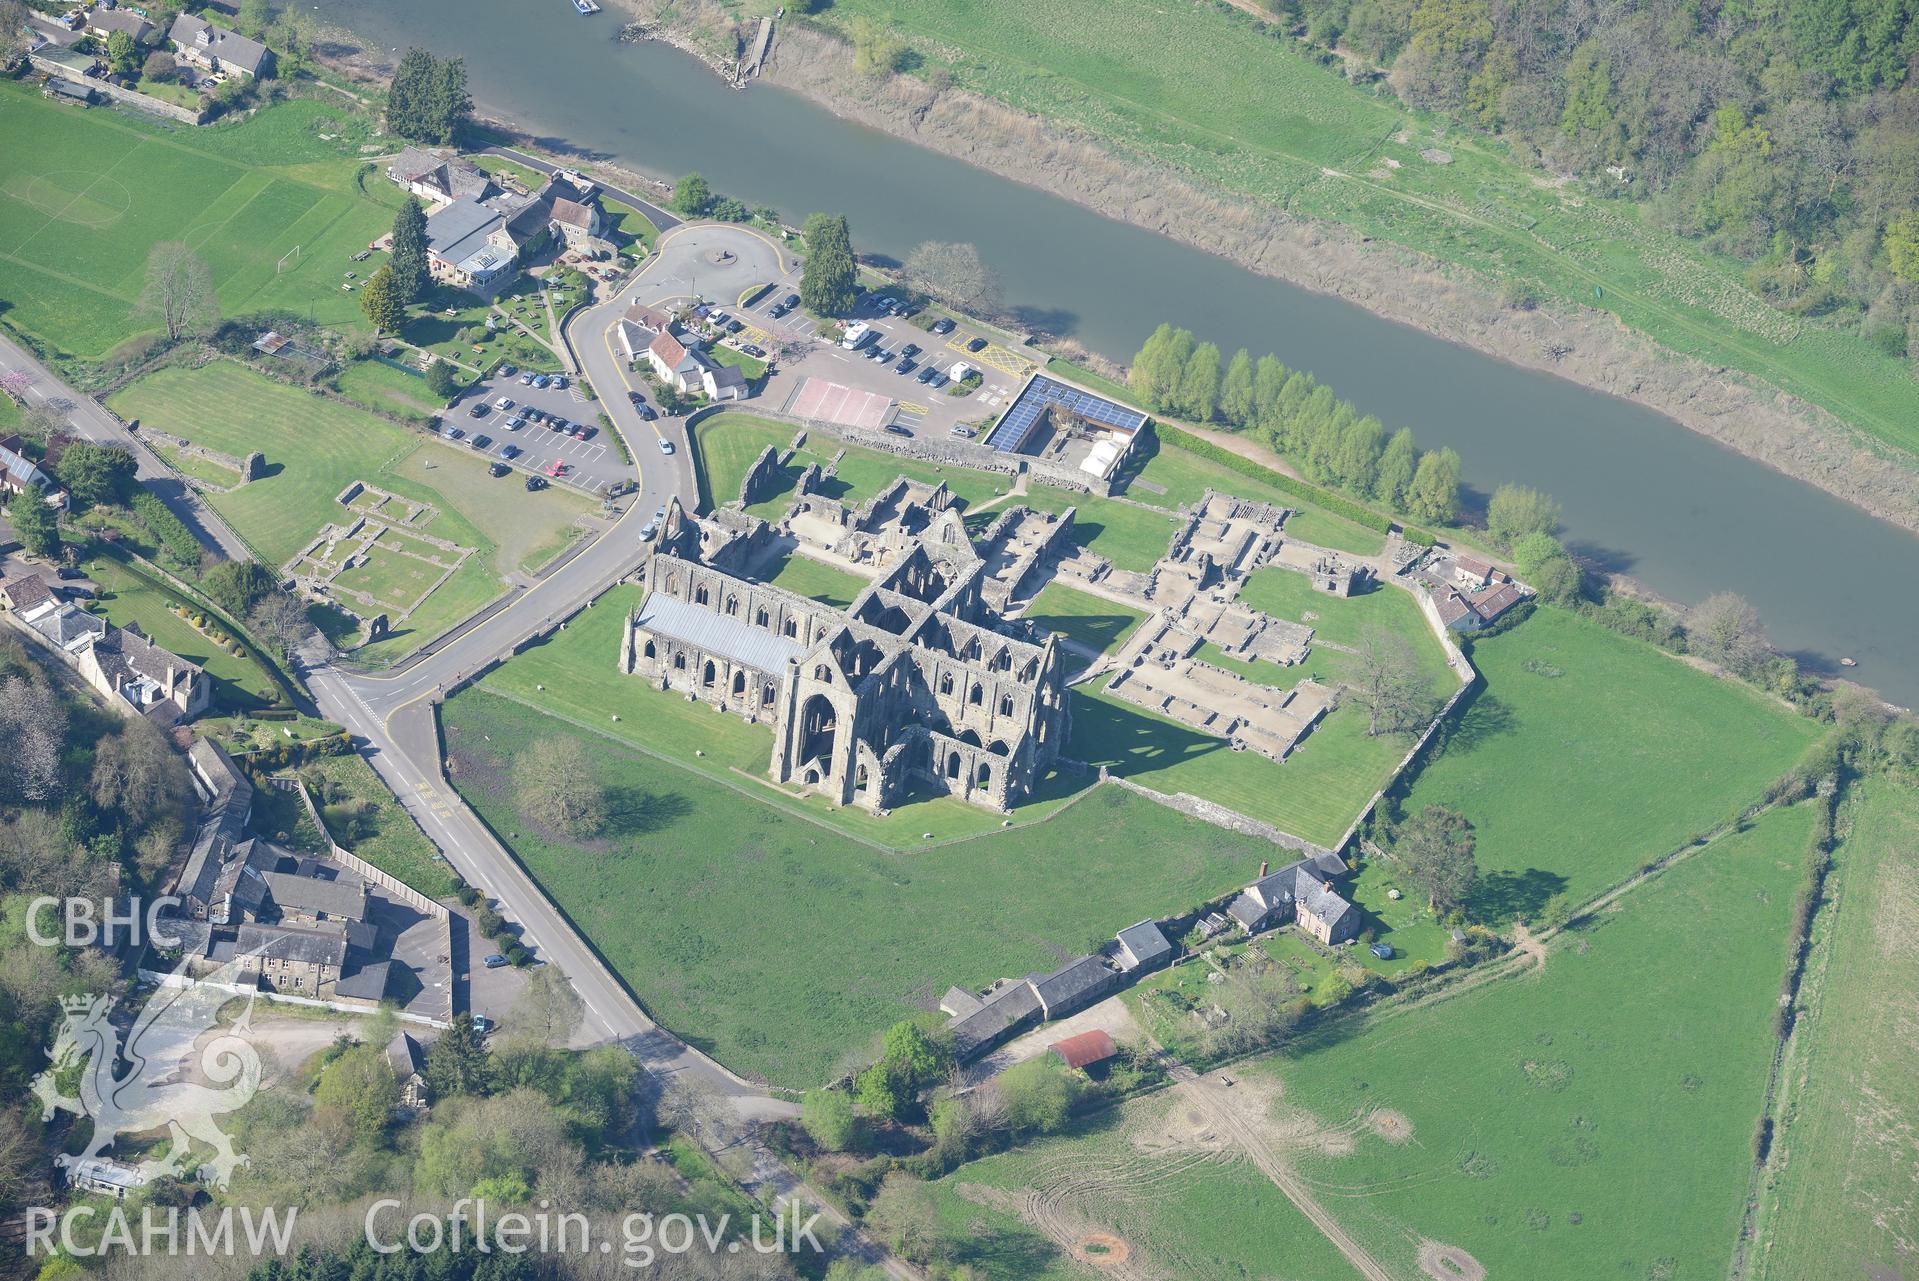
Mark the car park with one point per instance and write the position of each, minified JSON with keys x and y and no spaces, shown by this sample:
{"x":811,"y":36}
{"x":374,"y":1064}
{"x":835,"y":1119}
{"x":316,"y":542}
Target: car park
{"x":666,"y":446}
{"x":534,"y":483}
{"x":498,"y":470}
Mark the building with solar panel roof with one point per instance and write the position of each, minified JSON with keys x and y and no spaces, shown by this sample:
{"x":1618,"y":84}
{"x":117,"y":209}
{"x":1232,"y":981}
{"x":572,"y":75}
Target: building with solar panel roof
{"x":1056,"y":420}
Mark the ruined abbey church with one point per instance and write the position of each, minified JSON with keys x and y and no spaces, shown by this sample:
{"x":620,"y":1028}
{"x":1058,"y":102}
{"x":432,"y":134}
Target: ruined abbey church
{"x":917,"y":685}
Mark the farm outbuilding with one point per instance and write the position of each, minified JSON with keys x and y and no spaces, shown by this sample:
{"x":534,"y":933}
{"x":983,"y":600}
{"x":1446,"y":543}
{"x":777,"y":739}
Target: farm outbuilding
{"x":1085,"y":1049}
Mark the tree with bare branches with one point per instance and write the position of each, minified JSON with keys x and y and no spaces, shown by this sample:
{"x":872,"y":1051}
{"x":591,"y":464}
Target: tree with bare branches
{"x":1390,"y":683}
{"x":179,"y":291}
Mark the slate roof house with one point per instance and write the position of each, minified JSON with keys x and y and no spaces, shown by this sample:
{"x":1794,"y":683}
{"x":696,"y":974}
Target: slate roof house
{"x":408,"y":1061}
{"x":104,"y":22}
{"x":132,"y":673}
{"x":217,"y":49}
{"x":1142,"y":947}
{"x":1302,"y":893}
{"x":680,"y":362}
{"x":437,"y":179}
{"x":19,"y":472}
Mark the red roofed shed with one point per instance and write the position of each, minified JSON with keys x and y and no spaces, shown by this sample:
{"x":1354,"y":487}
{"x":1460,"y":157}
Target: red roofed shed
{"x":1085,"y":1049}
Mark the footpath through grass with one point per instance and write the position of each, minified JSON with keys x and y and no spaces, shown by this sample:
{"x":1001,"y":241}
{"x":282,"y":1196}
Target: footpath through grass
{"x":1587,"y":754}
{"x":1209,"y":91}
{"x":1851,"y":1083}
{"x":1600,"y":1110}
{"x":780,"y":945}
{"x":316,"y":447}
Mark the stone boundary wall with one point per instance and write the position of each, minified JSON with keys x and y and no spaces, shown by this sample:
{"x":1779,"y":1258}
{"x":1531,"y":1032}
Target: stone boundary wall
{"x":130,"y":97}
{"x":1218,"y":815}
{"x":941,"y":454}
{"x":392,"y":886}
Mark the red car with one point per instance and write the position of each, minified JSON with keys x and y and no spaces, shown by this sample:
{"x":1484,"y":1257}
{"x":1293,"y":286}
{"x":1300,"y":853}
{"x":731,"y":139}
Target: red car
{"x":557,"y":469}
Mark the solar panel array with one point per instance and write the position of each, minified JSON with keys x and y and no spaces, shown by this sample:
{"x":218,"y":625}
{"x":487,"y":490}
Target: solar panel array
{"x":1017,"y":424}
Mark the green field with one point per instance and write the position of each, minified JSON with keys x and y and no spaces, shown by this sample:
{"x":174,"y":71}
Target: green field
{"x":316,"y":447}
{"x":387,"y":388}
{"x":1851,"y":1083}
{"x":1593,"y":1118}
{"x":1587,"y":754}
{"x":84,"y":195}
{"x":1093,"y":622}
{"x":1208,"y":91}
{"x":1315,"y":793}
{"x":1185,"y":477}
{"x":781,"y":946}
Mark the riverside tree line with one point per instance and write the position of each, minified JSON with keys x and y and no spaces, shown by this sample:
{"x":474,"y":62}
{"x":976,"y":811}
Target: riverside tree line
{"x":1298,"y":417}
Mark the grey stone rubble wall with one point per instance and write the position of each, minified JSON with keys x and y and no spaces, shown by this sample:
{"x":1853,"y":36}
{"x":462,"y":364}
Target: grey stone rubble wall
{"x":130,"y":97}
{"x":942,"y":454}
{"x":764,"y":470}
{"x":1218,"y":815}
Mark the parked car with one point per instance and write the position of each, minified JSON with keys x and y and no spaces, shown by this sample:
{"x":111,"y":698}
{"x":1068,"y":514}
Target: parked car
{"x":556,"y":423}
{"x":498,"y":469}
{"x":482,"y":1024}
{"x":937,"y":380}
{"x":479,"y":410}
{"x":961,"y":429}
{"x":925,"y":375}
{"x":503,"y":404}
{"x":514,"y":424}
{"x":557,"y":380}
{"x":648,"y":530}
{"x":944,"y":325}
{"x":506,"y":371}
{"x":492,"y":962}
{"x":581,"y":431}
{"x":733,"y":326}
{"x":534,"y":415}
{"x":886,"y":303}
{"x":666,"y":446}
{"x":526,"y":379}
{"x":455,"y":433}
{"x":777,"y":310}
{"x":481,"y":442}
{"x":898,"y":430}
{"x":510,"y":451}
{"x":878,"y":354}
{"x":910,"y":349}
{"x":535,"y":483}
{"x":1384,"y":951}
{"x":67,"y":574}
{"x":638,"y":398}
{"x":659,"y":513}
{"x":790,"y":301}
{"x":646,"y":412}
{"x":905,"y":365}
{"x":976,"y":344}
{"x":752,"y":350}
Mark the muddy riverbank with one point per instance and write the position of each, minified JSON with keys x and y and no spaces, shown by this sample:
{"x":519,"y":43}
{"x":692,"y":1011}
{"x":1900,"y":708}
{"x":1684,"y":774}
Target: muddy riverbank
{"x":1587,"y":347}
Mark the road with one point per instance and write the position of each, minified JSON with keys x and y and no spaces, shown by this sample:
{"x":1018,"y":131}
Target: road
{"x":392,"y":714}
{"x":89,"y":420}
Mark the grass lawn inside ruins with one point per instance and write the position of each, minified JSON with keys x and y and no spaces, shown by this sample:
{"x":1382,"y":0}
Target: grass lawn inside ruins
{"x":438,"y":546}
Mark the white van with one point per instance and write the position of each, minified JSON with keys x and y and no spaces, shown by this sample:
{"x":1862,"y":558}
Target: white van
{"x":959,"y":371}
{"x":857,"y":336}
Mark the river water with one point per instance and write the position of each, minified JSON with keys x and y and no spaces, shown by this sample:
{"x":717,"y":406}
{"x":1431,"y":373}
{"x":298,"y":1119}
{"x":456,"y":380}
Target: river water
{"x":1645,"y":496}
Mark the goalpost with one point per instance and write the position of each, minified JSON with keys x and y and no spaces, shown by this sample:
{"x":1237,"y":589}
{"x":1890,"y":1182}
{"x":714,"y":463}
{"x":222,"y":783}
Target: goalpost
{"x":293,"y":254}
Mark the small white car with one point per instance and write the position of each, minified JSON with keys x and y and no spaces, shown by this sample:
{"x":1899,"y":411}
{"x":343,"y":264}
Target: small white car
{"x":503,"y":403}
